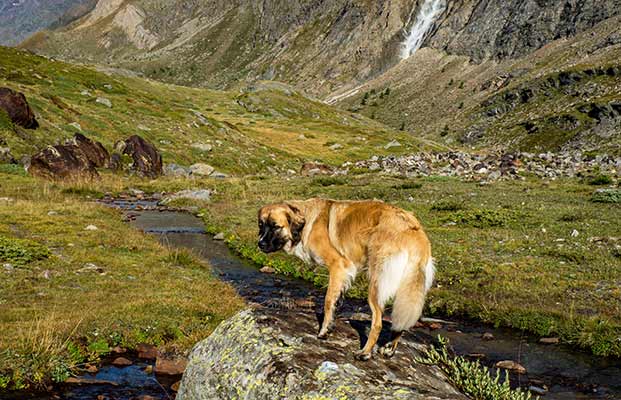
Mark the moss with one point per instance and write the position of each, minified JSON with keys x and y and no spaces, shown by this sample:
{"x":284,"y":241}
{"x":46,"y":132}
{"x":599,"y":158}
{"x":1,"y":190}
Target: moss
{"x":21,"y":251}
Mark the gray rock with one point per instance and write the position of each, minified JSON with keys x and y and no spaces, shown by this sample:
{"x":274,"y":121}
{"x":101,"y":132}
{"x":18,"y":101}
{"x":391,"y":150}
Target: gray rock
{"x":219,"y":236}
{"x":104,"y":101}
{"x":336,"y":146}
{"x":206,"y":147}
{"x":219,"y":175}
{"x":391,"y":144}
{"x":176,"y":170}
{"x":274,"y":354}
{"x":201,"y":169}
{"x":201,"y":195}
{"x":76,"y":126}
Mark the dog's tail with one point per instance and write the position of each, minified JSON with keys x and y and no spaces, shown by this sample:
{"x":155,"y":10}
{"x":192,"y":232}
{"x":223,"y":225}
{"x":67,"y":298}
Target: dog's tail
{"x":410,"y":296}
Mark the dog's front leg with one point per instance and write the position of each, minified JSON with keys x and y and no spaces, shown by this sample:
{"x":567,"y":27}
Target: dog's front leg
{"x":336,"y":284}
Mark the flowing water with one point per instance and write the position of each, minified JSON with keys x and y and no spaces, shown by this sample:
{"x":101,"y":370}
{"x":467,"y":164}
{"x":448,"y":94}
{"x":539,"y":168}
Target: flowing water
{"x":568,"y":374}
{"x":429,"y":12}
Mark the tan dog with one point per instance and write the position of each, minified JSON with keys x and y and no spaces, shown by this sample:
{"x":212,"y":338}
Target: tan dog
{"x":349,"y":236}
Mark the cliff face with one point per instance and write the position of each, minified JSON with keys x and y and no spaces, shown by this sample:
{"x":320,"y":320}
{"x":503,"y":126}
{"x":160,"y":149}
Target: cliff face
{"x":485,"y":29}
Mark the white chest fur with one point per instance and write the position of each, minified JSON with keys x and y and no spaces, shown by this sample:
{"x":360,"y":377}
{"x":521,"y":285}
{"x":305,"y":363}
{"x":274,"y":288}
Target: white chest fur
{"x":304,"y":254}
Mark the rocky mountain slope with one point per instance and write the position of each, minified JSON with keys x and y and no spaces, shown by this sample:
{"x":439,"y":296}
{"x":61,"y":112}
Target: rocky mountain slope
{"x":341,"y":51}
{"x":21,"y":18}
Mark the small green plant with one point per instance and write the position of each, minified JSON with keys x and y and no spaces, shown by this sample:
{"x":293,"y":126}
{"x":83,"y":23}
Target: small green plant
{"x":328,"y":181}
{"x":481,"y":218}
{"x":607,"y":196}
{"x":409,"y":185}
{"x":447,"y":205}
{"x":471,"y":378}
{"x":13,"y":169}
{"x":461,"y":105}
{"x":451,"y":82}
{"x":21,"y":251}
{"x":461,"y":84}
{"x":445,"y":131}
{"x":600,"y":180}
{"x":387,"y":92}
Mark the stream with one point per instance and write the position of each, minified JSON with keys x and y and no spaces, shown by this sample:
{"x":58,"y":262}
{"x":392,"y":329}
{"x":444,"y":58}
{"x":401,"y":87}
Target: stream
{"x":567,"y":374}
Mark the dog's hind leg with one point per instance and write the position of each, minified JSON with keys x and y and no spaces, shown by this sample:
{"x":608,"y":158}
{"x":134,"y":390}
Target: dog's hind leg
{"x":376,"y":325}
{"x":388,"y":350}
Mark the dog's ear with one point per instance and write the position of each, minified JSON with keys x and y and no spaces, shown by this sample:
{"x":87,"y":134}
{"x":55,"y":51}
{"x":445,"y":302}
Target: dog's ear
{"x":296,"y":223}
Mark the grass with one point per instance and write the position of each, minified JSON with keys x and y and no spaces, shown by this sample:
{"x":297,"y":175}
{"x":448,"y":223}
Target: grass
{"x":56,"y":315}
{"x":175,"y":117}
{"x":505,"y":252}
{"x":471,"y":378}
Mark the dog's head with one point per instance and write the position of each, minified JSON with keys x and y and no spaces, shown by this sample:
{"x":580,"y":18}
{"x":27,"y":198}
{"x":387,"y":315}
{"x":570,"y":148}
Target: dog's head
{"x":280,"y":227}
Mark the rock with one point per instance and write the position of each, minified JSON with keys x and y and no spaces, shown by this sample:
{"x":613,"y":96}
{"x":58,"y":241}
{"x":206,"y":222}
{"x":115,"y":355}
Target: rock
{"x":201,"y":195}
{"x":90,"y":267}
{"x":115,"y":163}
{"x":85,"y":93}
{"x":62,"y":162}
{"x":76,"y":126}
{"x":219,"y":236}
{"x":202,"y":147}
{"x":201,"y":169}
{"x":274,"y":354}
{"x":17,"y":108}
{"x":92,"y":150}
{"x":176,"y":171}
{"x":487,"y":336}
{"x":91,"y":228}
{"x":170,"y":366}
{"x":267,"y":270}
{"x":88,"y":381}
{"x":147,"y":161}
{"x":575,"y":233}
{"x":219,"y":175}
{"x":538,"y":390}
{"x":336,"y":146}
{"x":314,"y":168}
{"x":391,"y":144}
{"x":104,"y":101}
{"x":121,"y":362}
{"x":550,"y":340}
{"x":511,"y":366}
{"x":92,"y":369}
{"x":117,"y":349}
{"x":147,"y":351}
{"x":5,"y":156}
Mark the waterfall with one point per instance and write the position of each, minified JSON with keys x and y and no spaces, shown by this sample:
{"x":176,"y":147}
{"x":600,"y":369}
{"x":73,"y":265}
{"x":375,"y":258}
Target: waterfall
{"x":429,"y":12}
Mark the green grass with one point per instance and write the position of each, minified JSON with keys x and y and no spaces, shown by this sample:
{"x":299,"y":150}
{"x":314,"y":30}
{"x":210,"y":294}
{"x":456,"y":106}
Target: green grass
{"x":296,"y":127}
{"x":471,"y":378}
{"x":505,"y":253}
{"x":57,"y":312}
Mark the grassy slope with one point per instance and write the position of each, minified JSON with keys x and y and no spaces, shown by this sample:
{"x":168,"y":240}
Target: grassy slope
{"x":54,"y":318}
{"x":244,"y":141}
{"x":510,"y":259}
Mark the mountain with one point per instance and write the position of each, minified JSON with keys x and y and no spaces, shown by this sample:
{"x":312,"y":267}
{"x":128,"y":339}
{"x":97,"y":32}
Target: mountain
{"x":21,"y":18}
{"x":458,"y":88}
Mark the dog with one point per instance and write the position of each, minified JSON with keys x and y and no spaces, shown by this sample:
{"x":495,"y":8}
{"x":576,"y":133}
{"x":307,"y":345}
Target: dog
{"x":348,"y":237}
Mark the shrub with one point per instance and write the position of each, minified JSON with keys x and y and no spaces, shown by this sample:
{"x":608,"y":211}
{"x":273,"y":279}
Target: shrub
{"x":446,"y":205}
{"x":600,"y":180}
{"x":20,"y":251}
{"x":328,"y":181}
{"x":607,"y":196}
{"x":481,"y":218}
{"x":471,"y":378}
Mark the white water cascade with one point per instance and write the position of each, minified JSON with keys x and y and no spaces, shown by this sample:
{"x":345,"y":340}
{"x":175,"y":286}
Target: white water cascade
{"x":429,"y":12}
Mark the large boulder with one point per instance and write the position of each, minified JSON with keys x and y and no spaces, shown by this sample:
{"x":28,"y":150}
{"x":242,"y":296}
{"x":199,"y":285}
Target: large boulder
{"x":62,"y":162}
{"x":147,"y":161}
{"x":274,"y":354}
{"x":93,"y":150}
{"x":15,"y":105}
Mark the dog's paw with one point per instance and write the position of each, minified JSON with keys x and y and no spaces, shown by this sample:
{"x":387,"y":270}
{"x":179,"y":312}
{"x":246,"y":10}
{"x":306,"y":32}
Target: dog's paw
{"x":322,"y":336}
{"x":362,"y":356}
{"x":387,"y":351}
